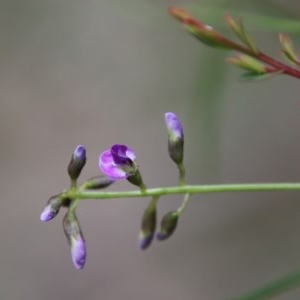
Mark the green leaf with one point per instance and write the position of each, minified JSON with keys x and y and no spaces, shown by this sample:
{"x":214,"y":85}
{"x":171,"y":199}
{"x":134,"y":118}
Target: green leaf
{"x":253,"y":76}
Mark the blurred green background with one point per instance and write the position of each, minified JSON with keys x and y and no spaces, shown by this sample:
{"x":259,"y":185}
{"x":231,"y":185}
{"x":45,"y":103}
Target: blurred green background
{"x":103,"y":72}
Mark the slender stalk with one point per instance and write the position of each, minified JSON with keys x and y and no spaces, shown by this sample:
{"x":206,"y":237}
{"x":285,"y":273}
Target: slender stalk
{"x":184,"y":204}
{"x":186,"y":189}
{"x":181,"y":169}
{"x":276,"y":287}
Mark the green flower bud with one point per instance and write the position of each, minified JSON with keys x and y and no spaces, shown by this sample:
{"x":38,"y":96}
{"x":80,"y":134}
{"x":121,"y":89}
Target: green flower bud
{"x":98,"y":182}
{"x":168,"y":226}
{"x":148,"y":225}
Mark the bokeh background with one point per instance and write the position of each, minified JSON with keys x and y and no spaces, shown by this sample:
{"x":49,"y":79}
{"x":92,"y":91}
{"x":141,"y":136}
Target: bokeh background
{"x":99,"y":72}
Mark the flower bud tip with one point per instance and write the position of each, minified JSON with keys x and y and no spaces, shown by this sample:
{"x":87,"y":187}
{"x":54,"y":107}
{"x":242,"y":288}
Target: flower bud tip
{"x":78,"y":251}
{"x":47,"y":214}
{"x":145,"y":241}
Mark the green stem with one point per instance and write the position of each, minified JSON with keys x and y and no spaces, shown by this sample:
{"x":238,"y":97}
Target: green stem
{"x":181,"y":169}
{"x":186,"y":189}
{"x":184,"y":204}
{"x":276,"y":287}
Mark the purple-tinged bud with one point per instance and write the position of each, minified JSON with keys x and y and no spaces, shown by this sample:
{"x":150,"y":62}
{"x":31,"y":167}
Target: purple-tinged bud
{"x":148,"y":226}
{"x":52,"y":208}
{"x":203,"y":32}
{"x":168,"y":226}
{"x":75,"y":238}
{"x":175,"y":137}
{"x":118,"y":163}
{"x":77,"y":162}
{"x":98,"y":182}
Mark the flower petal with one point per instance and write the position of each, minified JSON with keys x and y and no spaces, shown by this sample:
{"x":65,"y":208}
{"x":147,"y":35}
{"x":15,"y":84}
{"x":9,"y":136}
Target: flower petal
{"x":173,"y":125}
{"x":118,"y":162}
{"x":78,"y":251}
{"x":113,"y":171}
{"x":105,"y":158}
{"x":108,"y":167}
{"x":119,"y":155}
{"x":130,"y":153}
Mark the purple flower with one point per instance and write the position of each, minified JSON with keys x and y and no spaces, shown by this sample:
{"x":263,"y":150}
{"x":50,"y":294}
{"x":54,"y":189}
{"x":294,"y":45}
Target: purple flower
{"x":175,"y":137}
{"x":118,"y":162}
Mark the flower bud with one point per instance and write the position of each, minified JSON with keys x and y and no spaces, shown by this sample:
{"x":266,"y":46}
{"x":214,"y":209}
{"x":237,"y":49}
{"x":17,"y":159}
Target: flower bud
{"x":203,"y":32}
{"x":248,"y":63}
{"x":75,"y":238}
{"x":168,"y":226}
{"x":77,"y":162}
{"x":98,"y":182}
{"x":175,"y":137}
{"x":148,"y":225}
{"x":237,"y":27}
{"x":288,"y":49}
{"x":52,"y":208}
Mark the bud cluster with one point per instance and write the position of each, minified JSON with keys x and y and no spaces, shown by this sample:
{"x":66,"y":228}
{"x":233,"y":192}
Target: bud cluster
{"x":71,"y":225}
{"x":117,"y":163}
{"x":257,"y":64}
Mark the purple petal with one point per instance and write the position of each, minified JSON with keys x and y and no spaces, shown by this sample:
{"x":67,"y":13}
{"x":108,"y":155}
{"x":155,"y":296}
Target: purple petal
{"x":51,"y":209}
{"x":80,"y":152}
{"x":47,"y":214}
{"x":173,"y":125}
{"x":78,"y":250}
{"x":113,"y":172}
{"x":144,"y":242}
{"x":108,"y":167}
{"x":119,"y":155}
{"x":130,"y":153}
{"x":106,"y":158}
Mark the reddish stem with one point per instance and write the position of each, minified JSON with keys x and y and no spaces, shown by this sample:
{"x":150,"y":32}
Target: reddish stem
{"x":266,"y":59}
{"x":184,"y":17}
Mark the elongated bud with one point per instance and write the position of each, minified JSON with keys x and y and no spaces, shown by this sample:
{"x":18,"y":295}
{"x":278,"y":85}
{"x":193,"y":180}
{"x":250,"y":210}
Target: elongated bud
{"x":148,"y":225}
{"x":168,"y":226}
{"x":237,"y":26}
{"x":98,"y":182}
{"x":75,"y":238}
{"x":248,"y":63}
{"x":52,"y":208}
{"x":77,"y":162}
{"x":288,"y":49}
{"x":203,"y":32}
{"x":175,"y":137}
